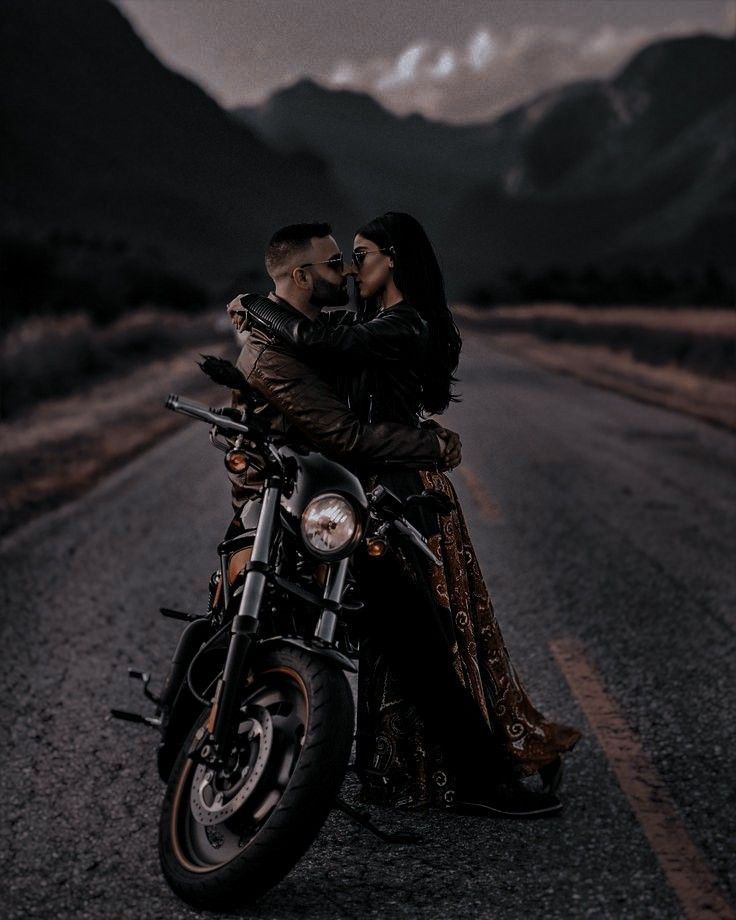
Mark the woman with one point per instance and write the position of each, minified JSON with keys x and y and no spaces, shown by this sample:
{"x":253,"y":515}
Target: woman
{"x":443,"y":716}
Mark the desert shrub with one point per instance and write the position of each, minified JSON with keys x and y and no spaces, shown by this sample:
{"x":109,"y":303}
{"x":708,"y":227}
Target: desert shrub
{"x":592,"y":286}
{"x":711,"y":354}
{"x":44,"y":357}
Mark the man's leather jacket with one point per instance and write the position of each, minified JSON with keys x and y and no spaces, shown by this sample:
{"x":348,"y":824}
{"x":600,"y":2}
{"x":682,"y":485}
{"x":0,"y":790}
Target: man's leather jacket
{"x":298,"y":401}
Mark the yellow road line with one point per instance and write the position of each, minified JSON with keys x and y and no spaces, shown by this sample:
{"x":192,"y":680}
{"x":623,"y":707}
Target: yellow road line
{"x":481,"y":496}
{"x":683,"y":864}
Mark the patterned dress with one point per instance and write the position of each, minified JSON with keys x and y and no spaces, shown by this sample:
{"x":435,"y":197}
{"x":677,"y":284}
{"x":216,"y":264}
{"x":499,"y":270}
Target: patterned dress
{"x":397,"y":763}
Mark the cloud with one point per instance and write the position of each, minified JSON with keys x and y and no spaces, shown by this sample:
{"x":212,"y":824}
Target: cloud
{"x":444,"y":65}
{"x":344,"y":74}
{"x":492,"y":71}
{"x":405,"y":69}
{"x":481,"y":50}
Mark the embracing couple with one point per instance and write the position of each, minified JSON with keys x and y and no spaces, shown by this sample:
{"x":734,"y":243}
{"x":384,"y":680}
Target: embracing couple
{"x":443,"y":718}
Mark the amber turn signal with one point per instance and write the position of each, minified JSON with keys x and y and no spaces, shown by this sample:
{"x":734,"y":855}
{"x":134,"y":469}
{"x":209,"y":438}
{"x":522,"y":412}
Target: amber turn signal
{"x":236,"y":461}
{"x":375,"y":547}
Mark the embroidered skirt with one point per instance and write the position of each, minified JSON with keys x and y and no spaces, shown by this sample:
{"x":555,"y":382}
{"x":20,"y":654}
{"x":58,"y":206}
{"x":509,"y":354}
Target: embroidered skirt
{"x":399,"y":763}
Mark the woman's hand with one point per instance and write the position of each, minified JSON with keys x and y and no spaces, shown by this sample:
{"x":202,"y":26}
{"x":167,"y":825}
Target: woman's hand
{"x":236,"y":314}
{"x":452,"y":448}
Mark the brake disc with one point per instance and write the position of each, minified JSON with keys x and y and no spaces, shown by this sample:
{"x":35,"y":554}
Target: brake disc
{"x":217,"y":795}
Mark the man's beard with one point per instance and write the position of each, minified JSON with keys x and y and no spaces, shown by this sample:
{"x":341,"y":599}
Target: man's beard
{"x":327,"y":294}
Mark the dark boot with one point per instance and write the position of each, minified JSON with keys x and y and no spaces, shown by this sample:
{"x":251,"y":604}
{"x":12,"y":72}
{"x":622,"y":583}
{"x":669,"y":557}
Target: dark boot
{"x":510,"y":800}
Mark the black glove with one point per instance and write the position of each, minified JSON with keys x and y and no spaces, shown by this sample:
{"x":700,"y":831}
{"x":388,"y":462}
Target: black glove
{"x":271,"y":317}
{"x":222,"y":371}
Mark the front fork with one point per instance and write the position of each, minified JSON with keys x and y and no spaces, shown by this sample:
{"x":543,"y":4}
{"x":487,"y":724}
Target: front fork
{"x":334,"y":586}
{"x":222,"y":722}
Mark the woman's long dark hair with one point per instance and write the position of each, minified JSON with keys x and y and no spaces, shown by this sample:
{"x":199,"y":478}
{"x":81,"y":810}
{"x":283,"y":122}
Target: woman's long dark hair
{"x":419,"y":278}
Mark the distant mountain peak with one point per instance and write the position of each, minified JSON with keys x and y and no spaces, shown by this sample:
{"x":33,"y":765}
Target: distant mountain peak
{"x":677,"y":54}
{"x":306,"y":91}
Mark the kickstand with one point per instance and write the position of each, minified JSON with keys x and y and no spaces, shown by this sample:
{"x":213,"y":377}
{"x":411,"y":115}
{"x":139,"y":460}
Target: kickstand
{"x":363,"y":819}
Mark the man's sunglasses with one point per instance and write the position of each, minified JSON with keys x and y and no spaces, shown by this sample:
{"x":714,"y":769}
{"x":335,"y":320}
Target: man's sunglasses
{"x":336,"y":262}
{"x":360,"y":254}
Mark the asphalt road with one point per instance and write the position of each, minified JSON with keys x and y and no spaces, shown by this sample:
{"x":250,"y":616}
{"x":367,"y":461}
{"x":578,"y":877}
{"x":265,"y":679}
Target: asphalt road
{"x":602,"y":525}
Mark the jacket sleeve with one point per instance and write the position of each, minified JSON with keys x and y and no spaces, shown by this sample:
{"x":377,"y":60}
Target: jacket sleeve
{"x":394,"y":335}
{"x":391,"y":336}
{"x":310,"y":405}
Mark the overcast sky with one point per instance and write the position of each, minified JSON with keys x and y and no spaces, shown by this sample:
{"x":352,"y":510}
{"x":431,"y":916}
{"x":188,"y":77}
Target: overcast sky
{"x":458,"y":60}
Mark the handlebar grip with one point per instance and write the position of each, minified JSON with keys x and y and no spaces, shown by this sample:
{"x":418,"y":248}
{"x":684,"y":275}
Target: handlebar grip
{"x":185,"y":407}
{"x":205,"y":414}
{"x":410,"y":532}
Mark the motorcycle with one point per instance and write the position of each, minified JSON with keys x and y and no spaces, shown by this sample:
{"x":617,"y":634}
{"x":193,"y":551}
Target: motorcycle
{"x":256,"y":715}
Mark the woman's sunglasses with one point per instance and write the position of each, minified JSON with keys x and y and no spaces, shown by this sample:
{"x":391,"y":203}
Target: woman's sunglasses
{"x":360,"y":254}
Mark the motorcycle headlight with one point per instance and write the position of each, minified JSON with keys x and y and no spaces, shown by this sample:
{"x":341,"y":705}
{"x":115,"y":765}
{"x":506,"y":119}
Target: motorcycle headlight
{"x":330,"y":526}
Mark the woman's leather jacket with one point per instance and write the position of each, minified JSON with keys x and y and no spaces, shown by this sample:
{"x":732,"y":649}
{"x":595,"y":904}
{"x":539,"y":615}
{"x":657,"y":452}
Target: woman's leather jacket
{"x":297,"y":400}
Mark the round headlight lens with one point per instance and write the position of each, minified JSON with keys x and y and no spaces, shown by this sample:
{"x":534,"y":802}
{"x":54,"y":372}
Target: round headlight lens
{"x":329,"y":524}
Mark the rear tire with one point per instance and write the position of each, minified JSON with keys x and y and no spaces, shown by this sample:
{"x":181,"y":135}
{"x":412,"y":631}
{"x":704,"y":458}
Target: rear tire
{"x":220,"y":852}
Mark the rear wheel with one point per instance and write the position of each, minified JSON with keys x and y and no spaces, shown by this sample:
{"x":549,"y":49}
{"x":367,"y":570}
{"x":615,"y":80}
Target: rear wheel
{"x":228,"y":835}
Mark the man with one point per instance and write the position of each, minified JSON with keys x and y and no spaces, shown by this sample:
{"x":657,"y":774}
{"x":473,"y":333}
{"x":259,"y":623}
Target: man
{"x":308,"y":272}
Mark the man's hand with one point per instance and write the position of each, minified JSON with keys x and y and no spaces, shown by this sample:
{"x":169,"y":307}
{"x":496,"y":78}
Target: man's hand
{"x":452,"y":453}
{"x":236,"y":314}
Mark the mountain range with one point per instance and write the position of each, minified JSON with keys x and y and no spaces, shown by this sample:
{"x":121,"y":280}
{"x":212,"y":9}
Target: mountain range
{"x":119,"y":178}
{"x":638,"y":170}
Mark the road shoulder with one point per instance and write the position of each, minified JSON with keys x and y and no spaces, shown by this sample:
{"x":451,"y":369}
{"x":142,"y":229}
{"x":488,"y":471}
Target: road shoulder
{"x":62,"y":447}
{"x":682,"y":390}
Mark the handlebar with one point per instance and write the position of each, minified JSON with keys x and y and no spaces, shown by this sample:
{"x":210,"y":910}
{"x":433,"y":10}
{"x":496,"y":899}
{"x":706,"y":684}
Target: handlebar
{"x":205,"y":414}
{"x":409,"y":532}
{"x":387,"y":506}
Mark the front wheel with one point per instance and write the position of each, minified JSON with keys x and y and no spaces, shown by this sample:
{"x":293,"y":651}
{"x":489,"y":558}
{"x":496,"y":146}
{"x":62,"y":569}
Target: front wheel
{"x":226,"y":836}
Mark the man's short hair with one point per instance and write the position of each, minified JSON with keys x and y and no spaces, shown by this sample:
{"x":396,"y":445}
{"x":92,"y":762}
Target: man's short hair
{"x":288,"y":241}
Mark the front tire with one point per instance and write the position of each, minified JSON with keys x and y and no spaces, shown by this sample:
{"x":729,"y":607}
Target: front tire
{"x":226,"y":838}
